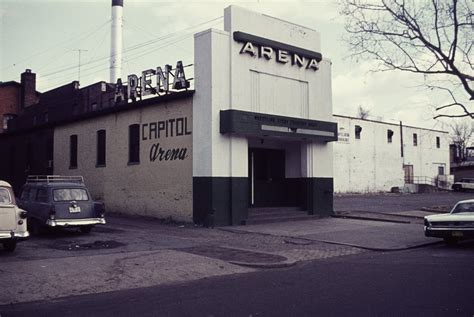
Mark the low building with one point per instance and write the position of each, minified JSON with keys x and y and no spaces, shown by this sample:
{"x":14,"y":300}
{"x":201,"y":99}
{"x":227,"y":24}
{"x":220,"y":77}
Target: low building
{"x":376,"y":156}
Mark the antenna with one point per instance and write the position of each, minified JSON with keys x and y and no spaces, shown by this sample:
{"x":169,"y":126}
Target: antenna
{"x":79,"y":63}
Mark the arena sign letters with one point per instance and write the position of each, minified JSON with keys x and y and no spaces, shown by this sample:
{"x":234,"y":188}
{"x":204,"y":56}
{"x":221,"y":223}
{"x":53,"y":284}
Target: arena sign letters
{"x":260,"y":47}
{"x":152,"y":82}
{"x":161,"y":129}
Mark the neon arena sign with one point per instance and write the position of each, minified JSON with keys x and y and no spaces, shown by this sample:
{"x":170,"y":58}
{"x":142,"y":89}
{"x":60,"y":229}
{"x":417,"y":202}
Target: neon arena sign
{"x":152,"y":82}
{"x":260,"y":47}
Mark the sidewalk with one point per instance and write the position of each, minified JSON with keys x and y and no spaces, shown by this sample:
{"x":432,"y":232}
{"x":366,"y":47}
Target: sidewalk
{"x":374,"y":235}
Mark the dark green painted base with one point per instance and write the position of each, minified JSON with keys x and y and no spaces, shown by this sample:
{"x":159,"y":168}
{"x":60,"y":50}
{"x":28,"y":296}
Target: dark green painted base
{"x":319,"y":196}
{"x":220,"y":201}
{"x":223,"y":201}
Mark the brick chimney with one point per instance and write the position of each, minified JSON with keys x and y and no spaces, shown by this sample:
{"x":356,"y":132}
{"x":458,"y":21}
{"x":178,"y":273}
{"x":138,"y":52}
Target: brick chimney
{"x":28,"y":89}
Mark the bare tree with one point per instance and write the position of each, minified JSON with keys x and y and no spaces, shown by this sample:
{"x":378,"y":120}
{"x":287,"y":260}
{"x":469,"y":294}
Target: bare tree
{"x":363,"y":113}
{"x":461,"y":132}
{"x":433,"y":38}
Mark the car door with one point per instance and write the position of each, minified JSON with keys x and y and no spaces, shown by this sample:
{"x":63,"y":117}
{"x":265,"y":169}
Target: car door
{"x":42,"y":204}
{"x":23,"y":201}
{"x":31,"y":205}
{"x":8,"y":221}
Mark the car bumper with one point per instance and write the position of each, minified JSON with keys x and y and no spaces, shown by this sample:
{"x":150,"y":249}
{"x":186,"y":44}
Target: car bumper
{"x":75,"y":222}
{"x":8,"y":235}
{"x":449,"y":232}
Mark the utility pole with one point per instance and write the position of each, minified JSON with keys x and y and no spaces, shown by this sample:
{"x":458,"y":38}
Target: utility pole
{"x":79,"y":64}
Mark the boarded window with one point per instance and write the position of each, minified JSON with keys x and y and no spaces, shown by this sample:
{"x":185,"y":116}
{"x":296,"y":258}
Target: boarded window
{"x":134,"y":143}
{"x":73,"y":151}
{"x":415,"y":139}
{"x":358,"y":130}
{"x":389,"y":136}
{"x":101,"y":145}
{"x":438,"y":142}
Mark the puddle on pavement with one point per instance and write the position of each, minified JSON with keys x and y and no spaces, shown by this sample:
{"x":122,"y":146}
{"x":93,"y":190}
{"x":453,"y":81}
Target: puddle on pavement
{"x":229,"y":254}
{"x":81,"y":246}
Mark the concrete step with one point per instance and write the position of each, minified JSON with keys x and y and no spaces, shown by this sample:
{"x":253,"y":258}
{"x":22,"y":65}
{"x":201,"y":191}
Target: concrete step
{"x":276,"y":214}
{"x":273,"y":219}
{"x":273,"y":209}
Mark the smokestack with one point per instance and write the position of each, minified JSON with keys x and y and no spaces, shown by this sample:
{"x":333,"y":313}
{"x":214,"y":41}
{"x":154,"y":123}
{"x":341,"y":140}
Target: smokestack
{"x":116,"y":41}
{"x":28,"y":88}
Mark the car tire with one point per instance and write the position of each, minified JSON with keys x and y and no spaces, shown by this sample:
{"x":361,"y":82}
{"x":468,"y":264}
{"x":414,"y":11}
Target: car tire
{"x":85,"y":229}
{"x":450,"y":241}
{"x":9,"y":246}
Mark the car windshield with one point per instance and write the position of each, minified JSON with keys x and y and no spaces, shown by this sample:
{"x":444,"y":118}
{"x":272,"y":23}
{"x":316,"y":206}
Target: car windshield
{"x":68,"y":194}
{"x":464,"y":207}
{"x":5,"y":197}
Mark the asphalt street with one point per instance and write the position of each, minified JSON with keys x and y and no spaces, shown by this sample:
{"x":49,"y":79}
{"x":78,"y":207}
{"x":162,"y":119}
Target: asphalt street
{"x":432,"y":281}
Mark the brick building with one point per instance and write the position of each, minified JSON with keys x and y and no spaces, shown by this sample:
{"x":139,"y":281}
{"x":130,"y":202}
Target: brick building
{"x":16,"y":97}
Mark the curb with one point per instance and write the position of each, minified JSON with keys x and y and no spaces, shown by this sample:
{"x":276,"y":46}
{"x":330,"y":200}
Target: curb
{"x":329,"y":242}
{"x":379,"y":249}
{"x":434,"y":210}
{"x":370,"y":218}
{"x":277,"y":265}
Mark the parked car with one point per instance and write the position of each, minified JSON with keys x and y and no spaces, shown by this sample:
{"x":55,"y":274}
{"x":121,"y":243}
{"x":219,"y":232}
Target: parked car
{"x":463,"y":185}
{"x":453,"y":226}
{"x":60,"y":201}
{"x":12,"y":219}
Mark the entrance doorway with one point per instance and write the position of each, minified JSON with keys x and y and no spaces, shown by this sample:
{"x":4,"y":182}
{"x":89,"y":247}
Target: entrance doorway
{"x":268,"y":187}
{"x":408,"y":174}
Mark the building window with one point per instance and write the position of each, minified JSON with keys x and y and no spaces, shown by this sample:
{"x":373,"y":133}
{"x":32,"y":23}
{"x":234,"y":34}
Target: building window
{"x":358,"y":130}
{"x":50,"y":153}
{"x":134,"y":144}
{"x":94,"y":106}
{"x":75,"y":109}
{"x":415,"y":139}
{"x":29,"y":156}
{"x":12,"y":163}
{"x":73,"y":151}
{"x":438,"y":142}
{"x":440,"y":170}
{"x":100,"y":148}
{"x":46,"y":117}
{"x":389,"y":136}
{"x":6,"y":120}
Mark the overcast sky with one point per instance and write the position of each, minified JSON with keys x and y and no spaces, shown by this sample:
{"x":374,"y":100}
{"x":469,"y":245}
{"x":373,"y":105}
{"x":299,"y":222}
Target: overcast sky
{"x":45,"y":36}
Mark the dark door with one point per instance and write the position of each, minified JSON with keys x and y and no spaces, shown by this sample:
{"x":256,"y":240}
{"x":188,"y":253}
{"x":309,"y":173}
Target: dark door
{"x":267,"y":177}
{"x":408,"y":174}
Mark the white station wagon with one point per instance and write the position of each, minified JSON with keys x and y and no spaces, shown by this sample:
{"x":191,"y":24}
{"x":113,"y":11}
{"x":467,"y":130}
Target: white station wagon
{"x":464,"y":184}
{"x":453,"y":226}
{"x":12,"y":219}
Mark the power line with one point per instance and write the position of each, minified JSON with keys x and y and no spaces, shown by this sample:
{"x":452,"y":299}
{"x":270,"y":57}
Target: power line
{"x":134,"y":47}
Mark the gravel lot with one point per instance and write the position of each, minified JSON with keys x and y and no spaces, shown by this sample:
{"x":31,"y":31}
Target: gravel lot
{"x":387,"y":202}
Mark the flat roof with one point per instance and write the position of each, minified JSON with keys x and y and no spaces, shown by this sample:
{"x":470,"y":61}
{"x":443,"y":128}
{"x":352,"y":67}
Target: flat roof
{"x":102,"y":112}
{"x":389,"y":123}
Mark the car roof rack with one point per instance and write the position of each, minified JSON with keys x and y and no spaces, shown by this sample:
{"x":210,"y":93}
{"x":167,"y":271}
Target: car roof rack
{"x":54,"y":179}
